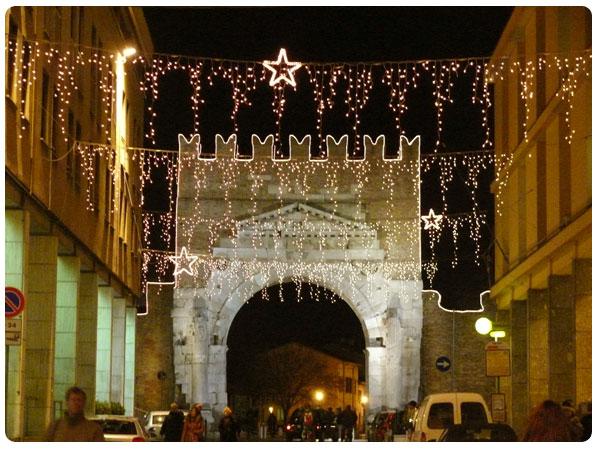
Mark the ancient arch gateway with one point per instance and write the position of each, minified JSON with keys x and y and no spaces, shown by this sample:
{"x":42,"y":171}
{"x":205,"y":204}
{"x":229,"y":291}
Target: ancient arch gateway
{"x":351,"y":226}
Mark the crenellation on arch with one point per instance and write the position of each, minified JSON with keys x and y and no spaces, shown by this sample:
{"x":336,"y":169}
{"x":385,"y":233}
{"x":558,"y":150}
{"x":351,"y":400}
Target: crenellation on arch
{"x":299,"y":148}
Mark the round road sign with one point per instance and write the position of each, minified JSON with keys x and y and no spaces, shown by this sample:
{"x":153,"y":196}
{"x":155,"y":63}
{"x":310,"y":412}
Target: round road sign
{"x":14,"y":302}
{"x":443,"y":363}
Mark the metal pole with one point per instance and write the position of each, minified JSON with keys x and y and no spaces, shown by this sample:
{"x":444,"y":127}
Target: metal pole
{"x":453,"y":345}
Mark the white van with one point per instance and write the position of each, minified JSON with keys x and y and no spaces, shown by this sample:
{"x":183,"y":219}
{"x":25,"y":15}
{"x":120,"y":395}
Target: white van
{"x":438,"y":411}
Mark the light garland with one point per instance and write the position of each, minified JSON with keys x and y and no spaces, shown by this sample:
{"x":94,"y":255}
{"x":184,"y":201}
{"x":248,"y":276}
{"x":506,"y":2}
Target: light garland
{"x":293,"y":178}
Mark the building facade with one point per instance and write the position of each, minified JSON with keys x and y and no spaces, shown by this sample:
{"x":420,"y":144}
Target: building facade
{"x":72,"y":236}
{"x":543,"y":128}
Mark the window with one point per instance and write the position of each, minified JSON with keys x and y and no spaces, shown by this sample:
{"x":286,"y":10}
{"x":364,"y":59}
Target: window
{"x":80,"y":24}
{"x":70,"y":143}
{"x":13,"y":30}
{"x":25,"y":73}
{"x":441,"y":415}
{"x":472,"y":413}
{"x":348,"y":385}
{"x":55,"y":124}
{"x":46,"y":122}
{"x":77,"y":158}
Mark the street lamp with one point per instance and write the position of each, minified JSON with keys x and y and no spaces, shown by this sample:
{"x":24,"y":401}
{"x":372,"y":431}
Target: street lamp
{"x":483,"y":325}
{"x":319,"y":396}
{"x":363,"y":401}
{"x":270,"y":410}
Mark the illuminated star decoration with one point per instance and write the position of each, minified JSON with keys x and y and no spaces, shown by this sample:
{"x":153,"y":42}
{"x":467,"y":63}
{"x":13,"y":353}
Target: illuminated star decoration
{"x":282,"y":69}
{"x":432,"y":220}
{"x":183,"y":262}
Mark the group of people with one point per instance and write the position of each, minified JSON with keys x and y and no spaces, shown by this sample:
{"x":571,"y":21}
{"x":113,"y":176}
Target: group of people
{"x":192,"y":428}
{"x":321,"y":425}
{"x":550,"y":421}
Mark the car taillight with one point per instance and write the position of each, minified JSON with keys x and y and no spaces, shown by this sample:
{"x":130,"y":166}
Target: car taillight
{"x":423,"y":437}
{"x":138,"y":439}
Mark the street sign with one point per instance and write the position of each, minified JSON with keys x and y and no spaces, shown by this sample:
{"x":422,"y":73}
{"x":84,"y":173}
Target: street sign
{"x":499,"y":407}
{"x":12,"y":332}
{"x":497,"y":359}
{"x":14,"y":302}
{"x":443,"y":363}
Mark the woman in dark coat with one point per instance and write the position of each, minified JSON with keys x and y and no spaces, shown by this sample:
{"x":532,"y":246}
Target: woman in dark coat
{"x":229,"y":430}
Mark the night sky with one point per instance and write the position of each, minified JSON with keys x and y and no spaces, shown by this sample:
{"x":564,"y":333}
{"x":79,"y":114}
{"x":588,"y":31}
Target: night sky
{"x":331,"y":34}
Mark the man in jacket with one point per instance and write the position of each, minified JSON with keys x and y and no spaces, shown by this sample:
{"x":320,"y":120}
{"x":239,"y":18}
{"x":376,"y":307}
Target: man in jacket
{"x":173,"y":425}
{"x":74,"y":426}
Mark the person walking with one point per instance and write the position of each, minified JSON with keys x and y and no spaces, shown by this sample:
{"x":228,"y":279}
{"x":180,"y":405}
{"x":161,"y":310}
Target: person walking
{"x":193,"y":425}
{"x":348,"y":420}
{"x":172,"y":427}
{"x":272,"y":424}
{"x":547,"y":423}
{"x":229,"y":430}
{"x":408,"y":419}
{"x":74,"y":427}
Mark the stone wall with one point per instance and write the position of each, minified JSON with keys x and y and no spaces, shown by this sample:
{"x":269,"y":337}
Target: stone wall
{"x":467,"y":355}
{"x":154,"y":352}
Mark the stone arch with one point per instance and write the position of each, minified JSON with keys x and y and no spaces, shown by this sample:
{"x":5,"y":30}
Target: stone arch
{"x":352,"y":296}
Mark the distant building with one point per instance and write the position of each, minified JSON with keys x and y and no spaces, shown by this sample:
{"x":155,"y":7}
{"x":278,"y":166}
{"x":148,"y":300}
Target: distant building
{"x":543,"y":283}
{"x":344,"y":376}
{"x":72,"y":236}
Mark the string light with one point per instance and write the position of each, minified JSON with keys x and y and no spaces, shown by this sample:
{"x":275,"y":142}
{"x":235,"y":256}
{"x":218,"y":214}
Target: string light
{"x":294,"y":178}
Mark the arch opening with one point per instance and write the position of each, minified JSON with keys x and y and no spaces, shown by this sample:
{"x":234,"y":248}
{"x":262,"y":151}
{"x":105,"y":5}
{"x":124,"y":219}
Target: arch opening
{"x":289,"y":341}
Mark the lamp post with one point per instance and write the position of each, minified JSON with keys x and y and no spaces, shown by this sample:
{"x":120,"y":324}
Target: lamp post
{"x":363,"y":401}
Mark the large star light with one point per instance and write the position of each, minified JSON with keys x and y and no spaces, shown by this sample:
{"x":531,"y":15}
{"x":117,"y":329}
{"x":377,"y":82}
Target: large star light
{"x":282,"y":69}
{"x":432,"y":220}
{"x":183,"y":262}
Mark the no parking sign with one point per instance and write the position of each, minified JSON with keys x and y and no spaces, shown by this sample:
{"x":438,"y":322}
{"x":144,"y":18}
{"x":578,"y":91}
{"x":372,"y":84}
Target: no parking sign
{"x":14,"y":302}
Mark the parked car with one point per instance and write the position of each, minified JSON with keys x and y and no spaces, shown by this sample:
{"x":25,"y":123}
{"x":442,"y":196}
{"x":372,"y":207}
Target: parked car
{"x":439,"y":411}
{"x":491,"y":432}
{"x":384,"y":425}
{"x":121,"y":428}
{"x":153,"y":421}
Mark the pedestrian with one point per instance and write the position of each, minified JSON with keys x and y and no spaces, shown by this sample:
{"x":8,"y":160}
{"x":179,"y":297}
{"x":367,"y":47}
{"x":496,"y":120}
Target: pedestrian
{"x":586,"y":421}
{"x":193,"y":425}
{"x":172,"y":427}
{"x":547,"y":423}
{"x":74,"y":426}
{"x":229,"y":430}
{"x":574,"y":422}
{"x":338,"y":424}
{"x":348,"y":420}
{"x":329,"y":424}
{"x":272,"y":424}
{"x":408,"y":418}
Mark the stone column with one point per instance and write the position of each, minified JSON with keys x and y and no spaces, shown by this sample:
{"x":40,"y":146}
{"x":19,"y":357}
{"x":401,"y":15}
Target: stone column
{"x":217,"y":373}
{"x":16,"y":242}
{"x":583,"y":329}
{"x":561,"y":337}
{"x":200,"y":362}
{"x":117,"y":367}
{"x":537,"y":319}
{"x":376,"y":357}
{"x":39,"y":329}
{"x":129,"y":372}
{"x":103,"y":343}
{"x":519,"y":364}
{"x":65,"y":337}
{"x":87,"y":314}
